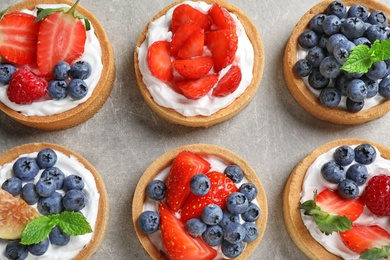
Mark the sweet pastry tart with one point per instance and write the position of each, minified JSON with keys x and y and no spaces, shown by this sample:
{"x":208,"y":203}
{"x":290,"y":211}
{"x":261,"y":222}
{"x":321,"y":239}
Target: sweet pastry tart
{"x":199,"y":201}
{"x":50,"y":84}
{"x":55,"y":201}
{"x":328,"y":66}
{"x":198,"y":63}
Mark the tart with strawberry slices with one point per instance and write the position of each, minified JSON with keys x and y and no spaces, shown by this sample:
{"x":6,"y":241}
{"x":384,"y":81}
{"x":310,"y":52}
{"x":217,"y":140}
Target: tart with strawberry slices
{"x":39,"y":92}
{"x":180,"y":205}
{"x":336,"y":201}
{"x":198,"y":63}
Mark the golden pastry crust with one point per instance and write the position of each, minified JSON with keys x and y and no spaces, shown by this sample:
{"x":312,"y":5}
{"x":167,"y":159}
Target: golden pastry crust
{"x":100,"y":94}
{"x":227,"y":112}
{"x":292,"y":195}
{"x":301,"y":92}
{"x":103,"y":212}
{"x":203,"y":149}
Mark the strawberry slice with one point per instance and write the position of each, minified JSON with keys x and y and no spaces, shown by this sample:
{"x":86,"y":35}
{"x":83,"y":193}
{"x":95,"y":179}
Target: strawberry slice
{"x":186,"y":13}
{"x":221,"y":187}
{"x":221,"y":18}
{"x":181,"y":36}
{"x":229,"y":82}
{"x":193,"y":46}
{"x":197,"y":88}
{"x":193,"y":68}
{"x":223,"y":45}
{"x":159,"y":61}
{"x":184,"y":167}
{"x":18,"y":38}
{"x":178,"y":243}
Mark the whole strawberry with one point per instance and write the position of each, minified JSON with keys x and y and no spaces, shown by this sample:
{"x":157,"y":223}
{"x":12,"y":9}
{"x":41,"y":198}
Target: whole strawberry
{"x":26,"y":87}
{"x":377,"y":195}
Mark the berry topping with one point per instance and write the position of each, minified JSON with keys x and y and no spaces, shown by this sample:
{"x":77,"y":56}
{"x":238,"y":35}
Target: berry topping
{"x":252,"y":232}
{"x":149,"y":222}
{"x":13,"y":185}
{"x":56,"y":174}
{"x":332,"y":172}
{"x":61,"y":70}
{"x":6,"y":72}
{"x":229,"y":82}
{"x":39,"y":248}
{"x":200,"y":184}
{"x":25,"y":168}
{"x":45,"y":186}
{"x":74,"y":200}
{"x":237,"y":203}
{"x":221,"y":18}
{"x":159,"y":61}
{"x":232,"y":250}
{"x":156,"y":190}
{"x":212,"y":214}
{"x":182,"y":35}
{"x":50,"y":205}
{"x":77,"y":89}
{"x":213,"y":236}
{"x":195,"y":227}
{"x":195,"y":89}
{"x":344,"y":155}
{"x":234,"y":173}
{"x":365,"y":154}
{"x":15,"y":250}
{"x":185,"y":13}
{"x":58,"y":237}
{"x":57,"y":89}
{"x":234,"y":232}
{"x":73,"y":182}
{"x":252,"y":213}
{"x":376,"y":195}
{"x":223,"y":46}
{"x":46,"y":158}
{"x":193,"y":68}
{"x":80,"y":70}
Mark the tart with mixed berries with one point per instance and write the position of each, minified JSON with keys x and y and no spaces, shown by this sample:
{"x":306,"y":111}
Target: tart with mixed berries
{"x":199,"y":202}
{"x":198,"y":63}
{"x":336,"y":201}
{"x":57,"y":64}
{"x":335,"y":63}
{"x":55,"y":203}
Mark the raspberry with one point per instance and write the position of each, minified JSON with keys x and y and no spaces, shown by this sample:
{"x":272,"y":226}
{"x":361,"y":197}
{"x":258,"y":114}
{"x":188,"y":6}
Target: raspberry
{"x":377,"y":195}
{"x":26,"y":87}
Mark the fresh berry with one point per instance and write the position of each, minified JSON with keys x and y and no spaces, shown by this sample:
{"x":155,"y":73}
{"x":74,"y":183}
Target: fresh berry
{"x":378,"y":18}
{"x":316,"y":23}
{"x":330,"y":97}
{"x":156,"y":190}
{"x":193,"y":47}
{"x":384,"y":88}
{"x":50,"y":205}
{"x":344,"y":155}
{"x":232,"y":250}
{"x":13,"y":185}
{"x":358,"y":173}
{"x":223,"y":45}
{"x":61,"y":70}
{"x":376,"y":195}
{"x":330,"y":67}
{"x":221,"y":18}
{"x":14,"y":250}
{"x":149,"y":222}
{"x":45,"y":186}
{"x":212,"y":214}
{"x":73,"y":181}
{"x":25,"y":168}
{"x":377,"y":71}
{"x":332,"y":172}
{"x":317,"y":80}
{"x":308,"y":39}
{"x":348,"y":189}
{"x":182,"y":35}
{"x":337,"y":8}
{"x":6,"y":72}
{"x":58,"y":237}
{"x":39,"y":248}
{"x":252,"y":213}
{"x":357,"y":90}
{"x":185,"y":13}
{"x":29,"y":194}
{"x":57,"y":89}
{"x":195,"y":227}
{"x":26,"y":87}
{"x":315,"y":56}
{"x":200,"y":184}
{"x":234,"y":173}
{"x":353,"y":28}
{"x":159,"y":61}
{"x":359,"y":11}
{"x":365,"y":154}
{"x":46,"y":158}
{"x":228,"y":217}
{"x":249,"y":190}
{"x":74,"y":200}
{"x":342,"y":51}
{"x":80,"y":70}
{"x":353,"y":106}
{"x":252,"y":232}
{"x":56,"y":174}
{"x":303,"y":68}
{"x":234,"y":232}
{"x":193,"y":68}
{"x":213,"y":236}
{"x":237,"y":203}
{"x":229,"y":82}
{"x":77,"y":89}
{"x":195,"y":89}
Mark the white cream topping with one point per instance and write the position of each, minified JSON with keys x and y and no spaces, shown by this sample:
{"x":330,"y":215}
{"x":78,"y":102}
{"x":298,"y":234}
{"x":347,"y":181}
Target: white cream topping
{"x":68,"y":165}
{"x":92,"y":54}
{"x":314,"y":181}
{"x":207,"y":105}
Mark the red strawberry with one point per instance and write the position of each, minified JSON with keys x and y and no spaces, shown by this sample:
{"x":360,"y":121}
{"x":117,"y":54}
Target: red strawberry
{"x":181,"y":36}
{"x":18,"y":38}
{"x":25,"y":87}
{"x":377,"y":195}
{"x":61,"y":38}
{"x":221,"y":18}
{"x":186,"y":13}
{"x":229,"y":82}
{"x":159,"y":61}
{"x":197,"y":88}
{"x":178,"y":243}
{"x":221,"y":187}
{"x":193,"y":68}
{"x":193,"y":46}
{"x":184,"y":167}
{"x":360,"y":238}
{"x":223,"y":46}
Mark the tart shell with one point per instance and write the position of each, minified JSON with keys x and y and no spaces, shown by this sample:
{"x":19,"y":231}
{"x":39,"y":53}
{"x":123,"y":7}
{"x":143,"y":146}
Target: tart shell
{"x":202,"y":149}
{"x":102,"y":91}
{"x":302,"y":93}
{"x":225,"y":113}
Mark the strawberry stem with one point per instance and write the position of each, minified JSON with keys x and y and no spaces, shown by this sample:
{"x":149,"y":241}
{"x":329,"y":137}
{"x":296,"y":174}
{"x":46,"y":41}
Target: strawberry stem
{"x":72,"y":10}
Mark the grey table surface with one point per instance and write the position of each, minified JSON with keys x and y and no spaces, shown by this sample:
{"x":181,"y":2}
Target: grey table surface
{"x":273,"y":133}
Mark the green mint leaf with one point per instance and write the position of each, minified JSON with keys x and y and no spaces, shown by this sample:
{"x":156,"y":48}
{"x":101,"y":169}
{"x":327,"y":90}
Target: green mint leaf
{"x":74,"y":223}
{"x":376,"y":253}
{"x":37,"y":230}
{"x":359,"y":60}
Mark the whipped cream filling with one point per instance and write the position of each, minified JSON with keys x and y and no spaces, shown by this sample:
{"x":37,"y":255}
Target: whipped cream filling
{"x":314,"y":181}
{"x":165,"y":96}
{"x":68,"y":165}
{"x":92,"y":54}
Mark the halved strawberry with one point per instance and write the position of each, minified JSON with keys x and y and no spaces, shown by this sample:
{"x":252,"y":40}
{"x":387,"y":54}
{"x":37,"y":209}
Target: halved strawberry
{"x":159,"y":61}
{"x":223,"y":45}
{"x":197,"y":88}
{"x":178,"y":243}
{"x":229,"y":82}
{"x":186,"y":13}
{"x":184,"y":167}
{"x":193,"y":68}
{"x":194,"y":46}
{"x":221,"y":187}
{"x":18,"y":38}
{"x":221,"y":18}
{"x":181,"y":36}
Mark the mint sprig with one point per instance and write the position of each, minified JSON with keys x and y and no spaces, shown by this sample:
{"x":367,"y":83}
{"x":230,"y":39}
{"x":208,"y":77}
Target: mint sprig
{"x":72,"y":223}
{"x":362,"y":57}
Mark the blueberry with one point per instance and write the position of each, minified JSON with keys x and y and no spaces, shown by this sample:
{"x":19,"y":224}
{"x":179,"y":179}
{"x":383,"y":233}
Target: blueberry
{"x":317,"y":80}
{"x":362,"y":40}
{"x":16,"y":251}
{"x":13,"y":185}
{"x":57,"y":89}
{"x":344,"y":155}
{"x":308,"y":39}
{"x":331,"y":24}
{"x":213,"y":236}
{"x":249,"y":190}
{"x":252,"y":213}
{"x":252,"y":232}
{"x":45,"y":186}
{"x":57,"y":176}
{"x":378,"y":18}
{"x":212,"y":214}
{"x":46,"y":158}
{"x":330,"y":97}
{"x":357,"y":90}
{"x":332,"y":172}
{"x":342,"y":50}
{"x":348,"y":189}
{"x":323,"y":41}
{"x":80,"y":70}
{"x":25,"y":168}
{"x":315,"y":56}
{"x":237,"y":202}
{"x":302,"y":68}
{"x":58,"y":237}
{"x":6,"y":72}
{"x":73,"y":181}
{"x":375,"y":32}
{"x":229,"y":217}
{"x":337,"y":8}
{"x":372,"y":86}
{"x":149,"y":222}
{"x":341,"y":83}
{"x":365,"y":154}
{"x":40,"y":248}
{"x":50,"y":205}
{"x":200,"y":184}
{"x":384,"y":88}
{"x":61,"y":70}
{"x":353,"y":106}
{"x":316,"y":23}
{"x":378,"y":70}
{"x":156,"y":190}
{"x":234,"y":232}
{"x":334,"y":40}
{"x":195,"y":227}
{"x":234,"y":173}
{"x":330,"y":67}
{"x":358,"y":173}
{"x":358,"y":11}
{"x":353,"y":28}
{"x":77,"y":89}
{"x":29,"y":194}
{"x":232,"y":250}
{"x":74,"y":200}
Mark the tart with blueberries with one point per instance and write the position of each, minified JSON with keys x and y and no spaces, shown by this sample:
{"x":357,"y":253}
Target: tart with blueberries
{"x":336,"y":201}
{"x":53,"y":204}
{"x":199,"y":201}
{"x":198,"y":63}
{"x":336,"y":63}
{"x":56,"y":64}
